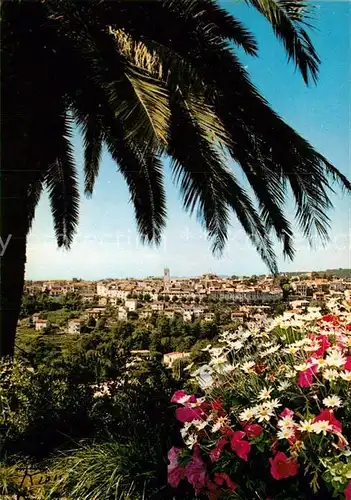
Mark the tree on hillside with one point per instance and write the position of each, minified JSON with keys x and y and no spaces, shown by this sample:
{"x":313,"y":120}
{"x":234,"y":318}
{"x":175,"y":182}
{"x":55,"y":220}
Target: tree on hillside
{"x":147,"y":79}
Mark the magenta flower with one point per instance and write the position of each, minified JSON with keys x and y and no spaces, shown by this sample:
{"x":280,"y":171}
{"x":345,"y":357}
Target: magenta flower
{"x":306,"y":376}
{"x":196,"y":472}
{"x":175,"y":472}
{"x":217,"y":451}
{"x":287,"y":413}
{"x":242,"y":448}
{"x":283,"y":466}
{"x":328,"y":415}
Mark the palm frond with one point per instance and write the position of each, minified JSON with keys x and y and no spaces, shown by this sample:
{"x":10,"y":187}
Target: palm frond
{"x":217,"y":21}
{"x":92,"y":137}
{"x":287,"y":19}
{"x":142,"y":170}
{"x":34,"y":193}
{"x":208,"y":186}
{"x":61,"y":182}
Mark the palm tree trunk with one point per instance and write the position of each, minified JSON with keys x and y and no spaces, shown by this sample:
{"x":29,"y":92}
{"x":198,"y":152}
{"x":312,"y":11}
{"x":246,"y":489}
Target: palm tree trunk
{"x":13,"y":233}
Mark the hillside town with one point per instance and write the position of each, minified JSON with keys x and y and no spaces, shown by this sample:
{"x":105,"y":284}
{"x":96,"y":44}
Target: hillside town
{"x":187,"y":297}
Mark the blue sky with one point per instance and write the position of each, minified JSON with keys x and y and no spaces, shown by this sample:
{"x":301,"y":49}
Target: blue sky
{"x":107,"y":244}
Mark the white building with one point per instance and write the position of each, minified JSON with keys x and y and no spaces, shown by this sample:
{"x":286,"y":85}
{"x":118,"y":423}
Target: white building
{"x":170,"y":357}
{"x":40,"y":324}
{"x":157,"y":306}
{"x":122,"y":313}
{"x":75,"y":326}
{"x":209,"y":316}
{"x":131,"y":304}
{"x":188,"y":315}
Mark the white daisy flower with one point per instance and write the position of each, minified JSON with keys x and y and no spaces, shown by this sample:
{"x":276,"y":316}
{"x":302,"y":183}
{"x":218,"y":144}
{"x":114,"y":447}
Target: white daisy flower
{"x":289,"y":373}
{"x":199,"y":424}
{"x":247,"y":366}
{"x":190,"y":440}
{"x":263,"y":413}
{"x":332,"y":402}
{"x":269,"y":351}
{"x":302,"y":367}
{"x":265,"y":393}
{"x":221,"y":422}
{"x":291,"y":350}
{"x":306,"y":426}
{"x":247,"y":415}
{"x":273,"y":404}
{"x":237,"y":345}
{"x":346,"y":375}
{"x":321,"y":362}
{"x":321,"y":426}
{"x":283,"y":386}
{"x":335,"y":358}
{"x":285,"y":434}
{"x":286,"y":423}
{"x":330,"y":374}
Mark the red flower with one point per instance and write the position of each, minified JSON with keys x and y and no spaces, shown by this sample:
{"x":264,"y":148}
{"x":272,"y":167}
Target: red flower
{"x":217,"y":406}
{"x":306,"y":377}
{"x":324,"y":343}
{"x":283,"y":467}
{"x":217,"y":451}
{"x":214,"y":493}
{"x":286,"y":413}
{"x":221,"y":478}
{"x":187,"y":414}
{"x":260,"y":369}
{"x":195,"y":471}
{"x":330,"y":318}
{"x":328,"y":415}
{"x":241,"y":447}
{"x":347,"y":365}
{"x":177,"y":396}
{"x":175,"y":472}
{"x":347,"y":491}
{"x":253,"y":430}
{"x":348,"y":327}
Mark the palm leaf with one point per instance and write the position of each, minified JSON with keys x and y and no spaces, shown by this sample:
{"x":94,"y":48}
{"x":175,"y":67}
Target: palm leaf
{"x":217,"y":21}
{"x":208,"y":186}
{"x":34,"y":193}
{"x":142,"y":170}
{"x":92,"y":137}
{"x":61,"y":182}
{"x":287,"y":19}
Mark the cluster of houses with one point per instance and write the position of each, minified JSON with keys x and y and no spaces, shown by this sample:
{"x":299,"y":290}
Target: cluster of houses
{"x":183,"y":297}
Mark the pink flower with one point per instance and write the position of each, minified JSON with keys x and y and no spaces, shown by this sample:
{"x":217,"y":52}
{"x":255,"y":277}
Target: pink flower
{"x":242,"y":448}
{"x":328,"y":415}
{"x":283,"y":467}
{"x":287,"y":413}
{"x":188,"y":414}
{"x":306,"y":377}
{"x":330,"y":318}
{"x":324,"y":343}
{"x":217,"y":451}
{"x":192,"y":409}
{"x":221,"y":478}
{"x":175,"y":472}
{"x":196,"y":471}
{"x":217,"y":406}
{"x":177,"y":396}
{"x":347,"y":491}
{"x":253,"y":430}
{"x":347,"y":365}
